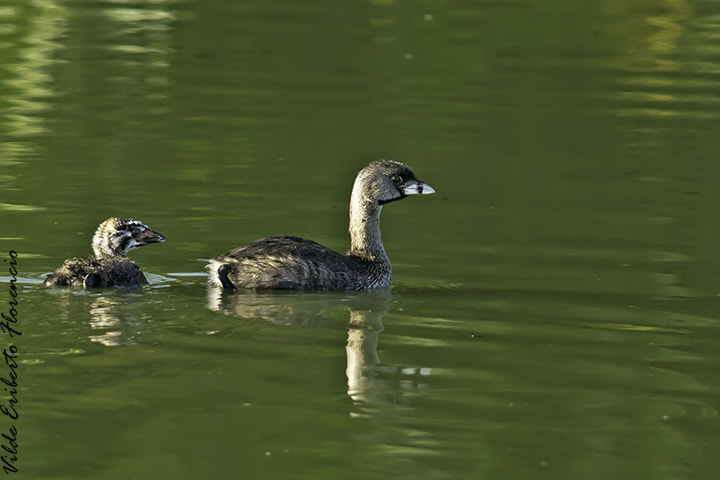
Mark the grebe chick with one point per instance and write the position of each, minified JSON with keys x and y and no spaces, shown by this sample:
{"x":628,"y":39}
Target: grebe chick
{"x":110,"y":267}
{"x":295,"y":263}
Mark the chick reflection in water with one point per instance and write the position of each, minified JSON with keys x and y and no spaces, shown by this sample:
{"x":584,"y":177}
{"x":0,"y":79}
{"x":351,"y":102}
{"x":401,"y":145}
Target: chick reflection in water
{"x":112,"y":318}
{"x":364,"y":384}
{"x":113,"y":323}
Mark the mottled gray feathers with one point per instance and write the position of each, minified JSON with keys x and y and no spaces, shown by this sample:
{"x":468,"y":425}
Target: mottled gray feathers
{"x":110,"y":266}
{"x":92,"y":272}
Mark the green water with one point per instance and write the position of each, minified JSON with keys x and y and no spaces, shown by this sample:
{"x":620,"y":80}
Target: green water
{"x":554,"y":312}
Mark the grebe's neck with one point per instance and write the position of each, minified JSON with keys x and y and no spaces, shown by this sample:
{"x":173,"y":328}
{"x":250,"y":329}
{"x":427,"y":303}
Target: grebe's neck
{"x":365,"y":240}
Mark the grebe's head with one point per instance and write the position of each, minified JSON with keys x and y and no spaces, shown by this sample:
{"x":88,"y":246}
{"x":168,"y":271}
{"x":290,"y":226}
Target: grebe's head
{"x":117,"y":236}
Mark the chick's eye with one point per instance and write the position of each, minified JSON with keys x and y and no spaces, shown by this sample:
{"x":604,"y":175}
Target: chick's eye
{"x":396,"y":179}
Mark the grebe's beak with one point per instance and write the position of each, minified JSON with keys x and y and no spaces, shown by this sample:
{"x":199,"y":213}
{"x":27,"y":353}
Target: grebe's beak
{"x":417,"y":187}
{"x":149,"y":236}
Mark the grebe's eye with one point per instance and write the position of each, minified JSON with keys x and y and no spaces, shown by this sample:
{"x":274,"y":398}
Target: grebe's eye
{"x":396,"y":179}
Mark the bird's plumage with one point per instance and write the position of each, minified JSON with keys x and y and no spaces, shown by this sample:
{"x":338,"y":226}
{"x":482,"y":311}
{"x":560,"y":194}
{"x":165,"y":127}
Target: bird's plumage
{"x":110,"y":267}
{"x":297,"y":263}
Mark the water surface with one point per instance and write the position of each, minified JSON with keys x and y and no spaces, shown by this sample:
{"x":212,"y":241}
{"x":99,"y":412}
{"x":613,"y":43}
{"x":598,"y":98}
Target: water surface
{"x":554,"y":307}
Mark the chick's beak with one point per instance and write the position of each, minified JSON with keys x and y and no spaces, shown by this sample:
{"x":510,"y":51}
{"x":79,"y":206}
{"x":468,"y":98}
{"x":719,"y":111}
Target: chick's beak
{"x":148,"y":236}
